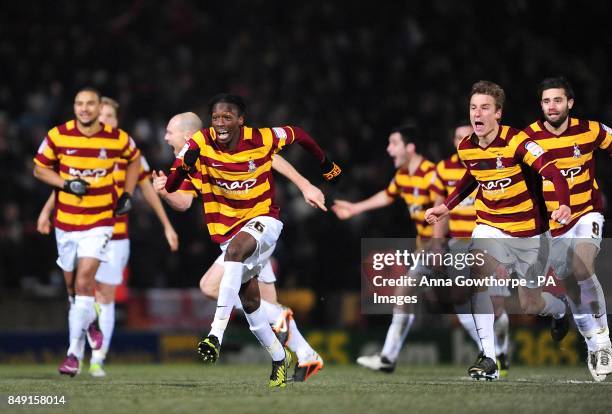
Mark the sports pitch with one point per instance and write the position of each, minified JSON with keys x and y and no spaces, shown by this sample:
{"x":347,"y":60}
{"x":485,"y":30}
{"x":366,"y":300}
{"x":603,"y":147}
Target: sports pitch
{"x":193,"y":388}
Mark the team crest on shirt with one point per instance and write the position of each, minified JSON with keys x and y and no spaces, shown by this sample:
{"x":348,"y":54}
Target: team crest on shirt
{"x":498,"y":163}
{"x":102,"y":154}
{"x":577,"y":152}
{"x":252,"y":166}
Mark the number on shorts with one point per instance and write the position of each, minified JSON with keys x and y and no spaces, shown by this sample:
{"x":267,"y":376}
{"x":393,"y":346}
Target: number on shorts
{"x":257,"y":226}
{"x":595,"y":229}
{"x":106,"y":240}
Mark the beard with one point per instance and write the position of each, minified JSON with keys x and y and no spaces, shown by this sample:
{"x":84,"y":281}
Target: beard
{"x":562,"y":117}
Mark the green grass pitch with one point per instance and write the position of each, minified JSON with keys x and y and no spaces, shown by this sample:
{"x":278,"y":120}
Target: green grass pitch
{"x":193,"y":388}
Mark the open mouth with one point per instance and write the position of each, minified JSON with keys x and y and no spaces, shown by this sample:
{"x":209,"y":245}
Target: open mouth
{"x":223,"y":134}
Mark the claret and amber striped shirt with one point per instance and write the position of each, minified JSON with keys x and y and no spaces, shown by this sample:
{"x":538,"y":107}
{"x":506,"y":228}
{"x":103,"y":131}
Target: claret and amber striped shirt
{"x":509,"y":195}
{"x":418,"y":192}
{"x":93,"y":159}
{"x":573,"y":154}
{"x":238,"y":185}
{"x":462,"y":219}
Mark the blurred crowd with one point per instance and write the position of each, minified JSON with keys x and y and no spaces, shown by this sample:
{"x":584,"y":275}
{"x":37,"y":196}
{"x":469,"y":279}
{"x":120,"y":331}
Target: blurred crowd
{"x":345,"y":71}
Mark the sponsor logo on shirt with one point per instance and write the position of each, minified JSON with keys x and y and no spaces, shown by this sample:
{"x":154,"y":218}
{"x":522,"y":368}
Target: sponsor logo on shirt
{"x":534,"y":149}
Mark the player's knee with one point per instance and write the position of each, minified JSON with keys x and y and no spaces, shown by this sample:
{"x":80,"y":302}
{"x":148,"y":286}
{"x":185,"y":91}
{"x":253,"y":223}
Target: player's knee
{"x":84,"y":287}
{"x":250,"y":305}
{"x":237,"y":252}
{"x":581,"y":272}
{"x":105,"y":296}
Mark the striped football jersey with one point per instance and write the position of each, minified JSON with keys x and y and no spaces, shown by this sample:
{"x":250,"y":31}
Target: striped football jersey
{"x":93,"y":159}
{"x":573,"y":154}
{"x":418,"y":192}
{"x":238,"y":185}
{"x":509,"y":196}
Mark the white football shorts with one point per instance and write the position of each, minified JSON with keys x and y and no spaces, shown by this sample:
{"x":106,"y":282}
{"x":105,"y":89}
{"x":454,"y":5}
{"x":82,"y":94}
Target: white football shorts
{"x":72,"y":245}
{"x":526,"y":256}
{"x":588,"y":229}
{"x":266,"y":231}
{"x":111,"y":271}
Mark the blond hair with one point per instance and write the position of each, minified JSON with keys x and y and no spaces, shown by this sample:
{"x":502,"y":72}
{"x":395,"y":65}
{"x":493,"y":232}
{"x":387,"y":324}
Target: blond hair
{"x":105,"y":100}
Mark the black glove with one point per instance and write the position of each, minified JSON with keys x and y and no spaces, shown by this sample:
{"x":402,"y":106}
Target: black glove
{"x":330,"y":170}
{"x":76,"y":186}
{"x":124,"y":204}
{"x":189,"y":160}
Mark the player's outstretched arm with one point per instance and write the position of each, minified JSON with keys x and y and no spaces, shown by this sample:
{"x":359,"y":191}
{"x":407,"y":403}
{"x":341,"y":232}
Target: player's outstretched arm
{"x":153,"y":200}
{"x":345,"y":209}
{"x":43,"y":224}
{"x":312,"y":195}
{"x":329,"y":169}
{"x":466,"y":185}
{"x":177,"y":200}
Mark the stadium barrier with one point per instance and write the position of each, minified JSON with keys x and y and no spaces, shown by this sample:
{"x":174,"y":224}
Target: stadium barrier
{"x":532,"y":347}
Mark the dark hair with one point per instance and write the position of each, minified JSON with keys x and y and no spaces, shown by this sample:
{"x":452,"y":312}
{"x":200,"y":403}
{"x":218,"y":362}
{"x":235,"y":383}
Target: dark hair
{"x":559,"y":82}
{"x":410,"y":135}
{"x":229,"y":99}
{"x":484,"y":87}
{"x":90,"y":89}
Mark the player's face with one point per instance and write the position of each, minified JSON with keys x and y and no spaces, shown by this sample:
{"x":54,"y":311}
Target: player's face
{"x":226,"y":121}
{"x":397,"y":149}
{"x":87,"y":108}
{"x":175,"y":135}
{"x":108,"y":116}
{"x":484,"y":116}
{"x":555,"y":106}
{"x":460,"y":133}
